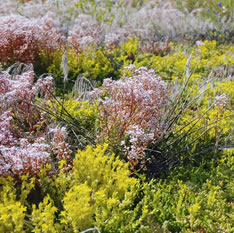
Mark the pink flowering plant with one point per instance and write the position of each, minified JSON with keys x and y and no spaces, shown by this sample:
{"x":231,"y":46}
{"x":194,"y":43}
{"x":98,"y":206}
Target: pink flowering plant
{"x":24,"y":126}
{"x":130,"y":112}
{"x":21,"y":39}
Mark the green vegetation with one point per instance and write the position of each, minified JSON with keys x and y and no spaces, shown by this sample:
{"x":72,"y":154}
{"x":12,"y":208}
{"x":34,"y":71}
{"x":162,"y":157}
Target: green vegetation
{"x":116,"y":125}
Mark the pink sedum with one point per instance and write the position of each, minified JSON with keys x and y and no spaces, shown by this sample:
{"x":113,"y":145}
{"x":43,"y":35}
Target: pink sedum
{"x":25,"y":158}
{"x":133,"y":107}
{"x":21,"y":39}
{"x":23,"y":131}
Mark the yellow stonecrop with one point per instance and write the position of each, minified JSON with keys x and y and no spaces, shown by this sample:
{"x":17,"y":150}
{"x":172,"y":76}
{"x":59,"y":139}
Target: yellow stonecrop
{"x":43,"y":217}
{"x":103,"y":171}
{"x":98,"y":64}
{"x":92,"y":63}
{"x":227,"y":88}
{"x":204,"y":58}
{"x":52,"y":62}
{"x":12,"y":212}
{"x":82,"y":111}
{"x":217,"y":124}
{"x":79,"y":109}
{"x":131,"y":46}
{"x":12,"y":215}
{"x":79,"y":208}
{"x":99,"y":186}
{"x":126,"y":54}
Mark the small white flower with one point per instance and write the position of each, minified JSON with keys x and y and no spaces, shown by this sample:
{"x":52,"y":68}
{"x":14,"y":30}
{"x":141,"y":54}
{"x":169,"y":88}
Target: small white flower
{"x":199,"y":43}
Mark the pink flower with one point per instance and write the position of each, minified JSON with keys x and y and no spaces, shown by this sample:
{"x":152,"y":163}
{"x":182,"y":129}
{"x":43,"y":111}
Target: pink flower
{"x":23,"y":148}
{"x":133,"y":108}
{"x":21,"y":39}
{"x":24,"y":158}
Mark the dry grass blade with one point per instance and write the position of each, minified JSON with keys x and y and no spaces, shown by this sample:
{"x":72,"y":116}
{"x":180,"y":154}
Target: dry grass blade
{"x":65,"y":68}
{"x":91,"y":229}
{"x":19,"y":68}
{"x":81,"y":88}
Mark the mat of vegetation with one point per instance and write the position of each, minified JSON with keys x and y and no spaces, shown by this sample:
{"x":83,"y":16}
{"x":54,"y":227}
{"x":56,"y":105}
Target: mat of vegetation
{"x":116,"y":116}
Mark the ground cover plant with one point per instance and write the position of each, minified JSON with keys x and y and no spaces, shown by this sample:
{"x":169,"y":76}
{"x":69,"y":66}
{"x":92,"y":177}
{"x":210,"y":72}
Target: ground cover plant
{"x":116,"y":116}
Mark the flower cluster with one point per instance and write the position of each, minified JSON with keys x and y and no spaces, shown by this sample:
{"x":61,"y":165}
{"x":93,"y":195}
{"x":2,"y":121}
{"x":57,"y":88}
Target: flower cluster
{"x":18,"y":155}
{"x":21,"y":38}
{"x":58,"y":144}
{"x":131,"y":110}
{"x":25,"y":158}
{"x":19,"y":95}
{"x":85,"y":31}
{"x":221,"y":101}
{"x":22,"y":126}
{"x":7,"y":135}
